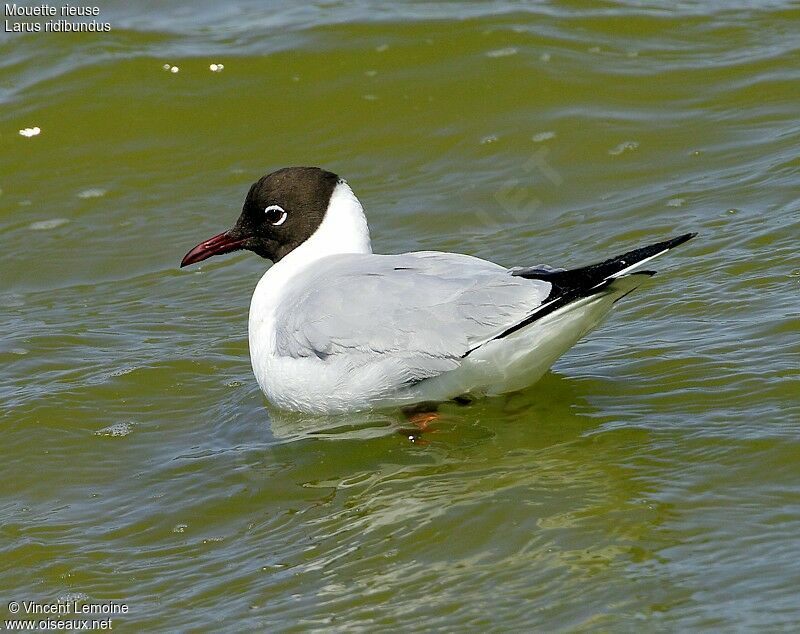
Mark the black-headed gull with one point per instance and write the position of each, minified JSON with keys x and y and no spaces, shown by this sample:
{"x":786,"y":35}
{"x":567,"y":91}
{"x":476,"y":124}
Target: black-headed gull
{"x":334,"y":327}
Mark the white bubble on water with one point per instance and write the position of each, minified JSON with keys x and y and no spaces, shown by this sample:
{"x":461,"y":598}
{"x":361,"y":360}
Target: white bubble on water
{"x":117,"y":430}
{"x":216,"y":68}
{"x":543,"y":136}
{"x":627,"y":146}
{"x":489,"y":138}
{"x":180,"y":528}
{"x":29,"y":132}
{"x":174,"y":69}
{"x":95,"y":192}
{"x":44,"y":225}
{"x":676,"y":202}
{"x":503,"y":52}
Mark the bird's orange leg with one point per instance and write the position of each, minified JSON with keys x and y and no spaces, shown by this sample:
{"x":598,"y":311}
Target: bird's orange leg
{"x":421,"y":416}
{"x":423,"y":419}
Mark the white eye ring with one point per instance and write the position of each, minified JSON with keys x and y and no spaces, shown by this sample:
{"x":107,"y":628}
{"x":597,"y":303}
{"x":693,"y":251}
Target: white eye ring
{"x":277,"y":208}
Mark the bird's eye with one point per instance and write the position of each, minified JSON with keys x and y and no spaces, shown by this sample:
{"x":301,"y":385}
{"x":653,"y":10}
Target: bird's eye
{"x":275,"y":215}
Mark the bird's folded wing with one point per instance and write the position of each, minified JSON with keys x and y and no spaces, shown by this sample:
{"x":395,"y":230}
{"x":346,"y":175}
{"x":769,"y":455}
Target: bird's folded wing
{"x":415,"y":315}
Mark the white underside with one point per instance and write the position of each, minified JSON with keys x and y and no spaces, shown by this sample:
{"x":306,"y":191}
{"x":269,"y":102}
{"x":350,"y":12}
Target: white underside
{"x":519,"y":360}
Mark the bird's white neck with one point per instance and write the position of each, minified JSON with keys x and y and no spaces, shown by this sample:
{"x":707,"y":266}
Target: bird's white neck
{"x":343,"y":230}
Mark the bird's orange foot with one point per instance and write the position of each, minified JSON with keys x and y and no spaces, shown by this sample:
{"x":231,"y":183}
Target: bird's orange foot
{"x":423,"y":419}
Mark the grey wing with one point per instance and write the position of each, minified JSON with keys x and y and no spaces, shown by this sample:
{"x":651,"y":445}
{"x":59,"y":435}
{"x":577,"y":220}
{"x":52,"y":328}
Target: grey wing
{"x":404,"y":317}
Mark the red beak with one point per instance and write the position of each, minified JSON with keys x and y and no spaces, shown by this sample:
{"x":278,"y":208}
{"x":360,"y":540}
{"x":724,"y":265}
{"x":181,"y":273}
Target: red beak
{"x":222,"y":243}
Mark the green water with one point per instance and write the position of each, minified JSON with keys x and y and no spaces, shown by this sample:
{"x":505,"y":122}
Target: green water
{"x":651,"y":481}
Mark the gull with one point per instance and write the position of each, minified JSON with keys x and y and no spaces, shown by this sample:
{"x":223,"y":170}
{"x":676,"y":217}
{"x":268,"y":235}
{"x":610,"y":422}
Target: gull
{"x":334,"y":327}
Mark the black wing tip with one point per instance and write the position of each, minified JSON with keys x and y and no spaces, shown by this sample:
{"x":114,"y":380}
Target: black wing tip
{"x":674,"y":242}
{"x":570,"y":285}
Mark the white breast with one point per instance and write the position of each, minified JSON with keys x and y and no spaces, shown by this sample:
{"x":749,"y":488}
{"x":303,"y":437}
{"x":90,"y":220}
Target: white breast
{"x":284,"y":380}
